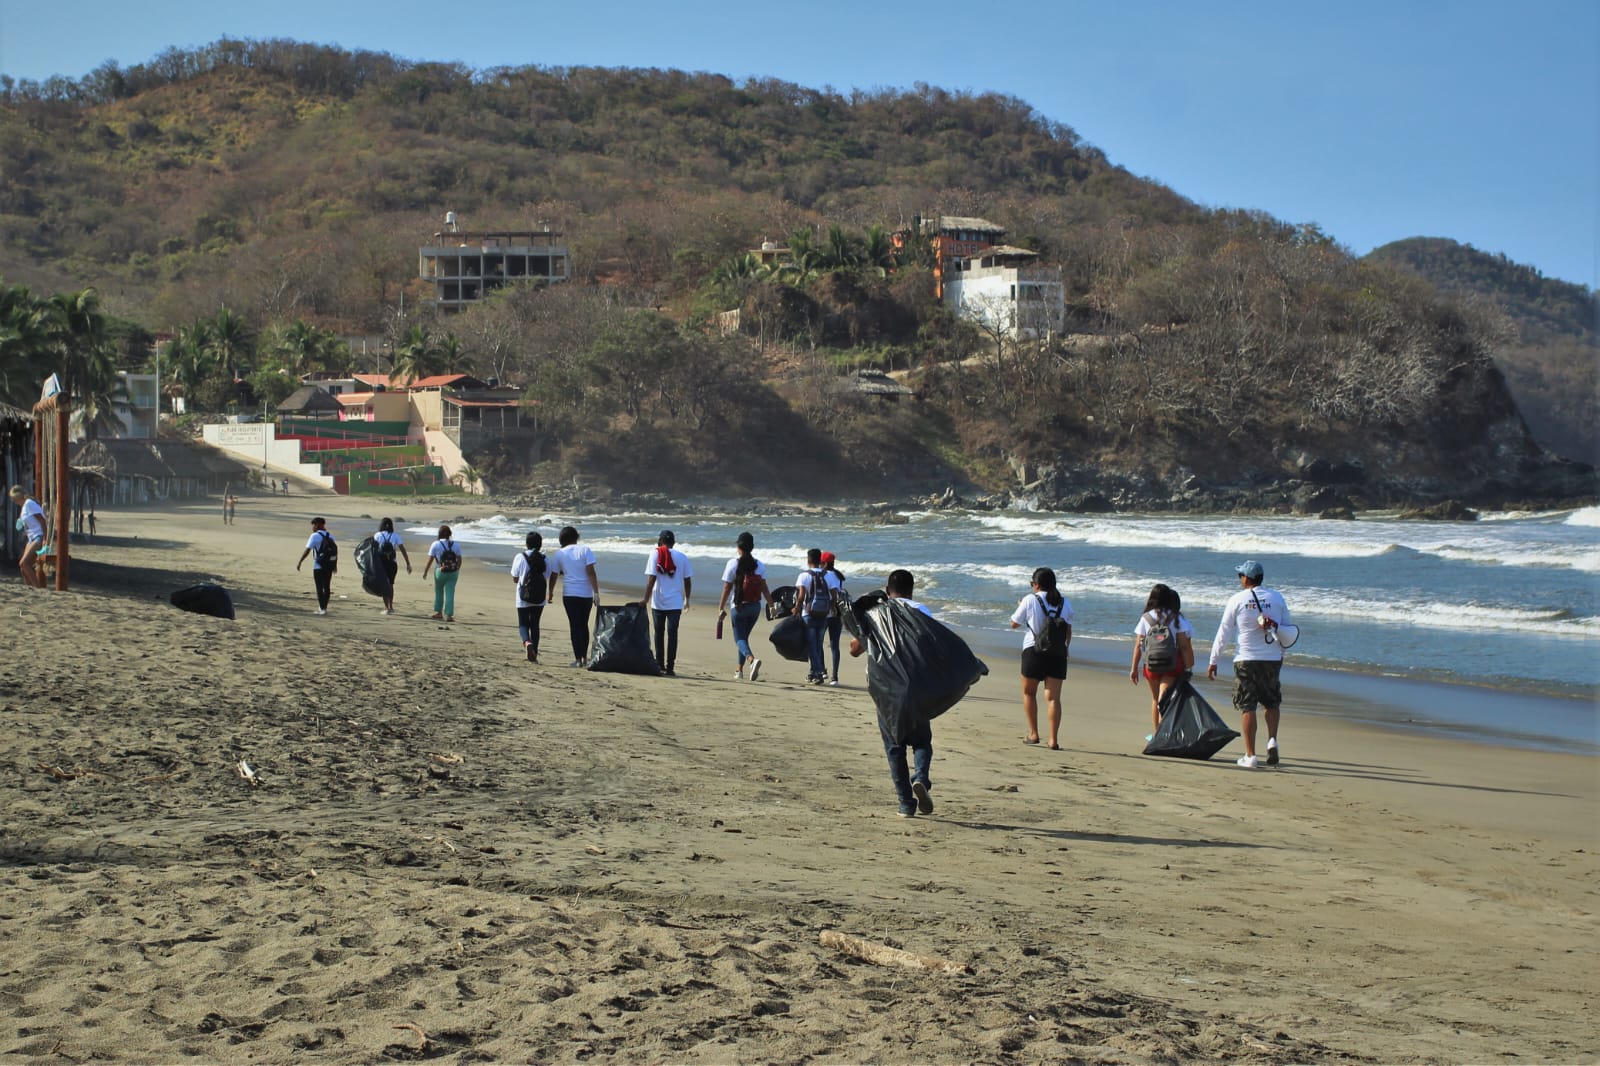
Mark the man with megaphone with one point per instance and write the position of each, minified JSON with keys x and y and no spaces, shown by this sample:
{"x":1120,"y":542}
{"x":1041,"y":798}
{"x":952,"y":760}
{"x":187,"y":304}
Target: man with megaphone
{"x":1255,"y":615}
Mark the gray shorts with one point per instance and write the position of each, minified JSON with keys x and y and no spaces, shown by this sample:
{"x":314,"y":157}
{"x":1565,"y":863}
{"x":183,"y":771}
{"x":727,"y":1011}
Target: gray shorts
{"x":1257,"y":683}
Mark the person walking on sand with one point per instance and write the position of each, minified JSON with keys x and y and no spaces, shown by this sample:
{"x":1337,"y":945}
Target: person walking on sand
{"x":324,"y":560}
{"x":32,"y":526}
{"x":229,"y":502}
{"x":668,"y":584}
{"x":528,"y":574}
{"x":573,"y":564}
{"x":744,"y":583}
{"x":388,"y":543}
{"x":444,"y":556}
{"x":1165,"y":640}
{"x":1047,"y":616}
{"x":1251,"y":616}
{"x":814,"y":603}
{"x":911,"y":784}
{"x":836,"y":619}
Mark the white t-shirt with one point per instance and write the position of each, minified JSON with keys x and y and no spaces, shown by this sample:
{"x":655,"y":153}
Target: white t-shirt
{"x":572,"y":564}
{"x":914,"y":604}
{"x":668,"y":593}
{"x":731,"y":571}
{"x":1030,"y":615}
{"x":383,"y":536}
{"x":436,"y":549}
{"x":804,"y":584}
{"x":33,"y":519}
{"x":1239,"y":620}
{"x":1180,"y":625}
{"x":519,"y":570}
{"x":314,"y":542}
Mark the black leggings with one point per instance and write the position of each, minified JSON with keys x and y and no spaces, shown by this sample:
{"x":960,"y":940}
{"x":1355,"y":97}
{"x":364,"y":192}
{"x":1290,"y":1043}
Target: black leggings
{"x":323,"y":577}
{"x":578,"y":621}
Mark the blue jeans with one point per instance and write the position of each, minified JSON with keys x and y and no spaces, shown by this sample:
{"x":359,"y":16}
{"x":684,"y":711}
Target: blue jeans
{"x":744,"y":620}
{"x":921,"y":744}
{"x":816,"y":626}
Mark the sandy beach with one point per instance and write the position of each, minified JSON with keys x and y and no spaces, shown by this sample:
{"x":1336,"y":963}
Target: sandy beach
{"x":453,"y":854}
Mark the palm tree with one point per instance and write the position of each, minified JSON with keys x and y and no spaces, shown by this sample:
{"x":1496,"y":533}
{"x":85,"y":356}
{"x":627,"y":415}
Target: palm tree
{"x":24,"y":339}
{"x":416,"y":356}
{"x":415,"y":476}
{"x":877,"y":250}
{"x":452,"y":357}
{"x":298,"y":347}
{"x":229,"y":342}
{"x":840,"y":252}
{"x":189,"y":355}
{"x":468,"y":477}
{"x":77,"y":331}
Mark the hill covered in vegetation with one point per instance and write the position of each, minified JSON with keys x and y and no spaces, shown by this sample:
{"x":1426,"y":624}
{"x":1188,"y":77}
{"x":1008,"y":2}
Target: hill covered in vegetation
{"x":1552,"y":358}
{"x":1213,"y":358}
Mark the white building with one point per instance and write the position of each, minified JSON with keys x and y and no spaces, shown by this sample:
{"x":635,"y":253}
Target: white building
{"x":1004,"y":288}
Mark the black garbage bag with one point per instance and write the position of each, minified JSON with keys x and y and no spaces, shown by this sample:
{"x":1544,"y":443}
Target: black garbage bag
{"x":917,"y":668}
{"x":622,"y":641}
{"x":374,"y":578}
{"x":789,"y":638}
{"x":1189,"y":728}
{"x":204,"y":599}
{"x":782,"y":605}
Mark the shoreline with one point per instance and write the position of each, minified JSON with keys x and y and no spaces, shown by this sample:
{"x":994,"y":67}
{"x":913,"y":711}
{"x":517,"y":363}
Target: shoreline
{"x":533,"y":862}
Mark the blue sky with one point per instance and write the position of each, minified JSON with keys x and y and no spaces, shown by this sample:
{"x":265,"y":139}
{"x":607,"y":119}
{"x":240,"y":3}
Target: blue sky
{"x":1376,"y":120}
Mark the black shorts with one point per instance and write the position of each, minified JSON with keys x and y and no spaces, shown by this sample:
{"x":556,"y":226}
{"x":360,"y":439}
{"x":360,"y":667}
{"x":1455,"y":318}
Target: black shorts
{"x":1257,"y":683}
{"x":1037,"y":666}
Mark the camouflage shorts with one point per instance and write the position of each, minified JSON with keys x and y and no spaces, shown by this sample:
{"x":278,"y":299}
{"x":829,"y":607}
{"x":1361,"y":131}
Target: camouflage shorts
{"x":1257,"y":684}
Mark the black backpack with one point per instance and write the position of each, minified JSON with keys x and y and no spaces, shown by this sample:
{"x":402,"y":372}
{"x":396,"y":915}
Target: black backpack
{"x":532,"y":589}
{"x":386,"y":551}
{"x":328,"y":553}
{"x":1053,"y":638}
{"x":449,"y":558}
{"x":1161,"y":647}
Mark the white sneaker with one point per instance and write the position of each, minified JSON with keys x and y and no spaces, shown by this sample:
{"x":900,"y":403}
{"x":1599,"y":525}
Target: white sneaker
{"x":1272,"y":751}
{"x":738,"y":675}
{"x":755,"y":668}
{"x":322,"y":610}
{"x":1247,"y":761}
{"x":834,"y":681}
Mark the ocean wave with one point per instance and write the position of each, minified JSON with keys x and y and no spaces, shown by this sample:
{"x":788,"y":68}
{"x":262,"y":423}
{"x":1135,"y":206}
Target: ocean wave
{"x":1584,"y":516}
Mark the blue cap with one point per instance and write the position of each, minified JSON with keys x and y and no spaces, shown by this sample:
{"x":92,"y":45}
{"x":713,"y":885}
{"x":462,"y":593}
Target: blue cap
{"x":1250,"y":569}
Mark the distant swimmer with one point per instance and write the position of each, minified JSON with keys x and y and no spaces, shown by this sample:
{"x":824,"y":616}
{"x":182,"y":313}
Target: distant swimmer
{"x":1253,"y":616}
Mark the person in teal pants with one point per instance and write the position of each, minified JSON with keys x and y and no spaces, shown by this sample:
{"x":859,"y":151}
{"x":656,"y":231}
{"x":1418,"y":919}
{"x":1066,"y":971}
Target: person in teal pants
{"x":444,"y":558}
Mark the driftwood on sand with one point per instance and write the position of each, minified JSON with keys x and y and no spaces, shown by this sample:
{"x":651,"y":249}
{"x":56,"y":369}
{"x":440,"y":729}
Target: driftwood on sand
{"x":887,"y":956}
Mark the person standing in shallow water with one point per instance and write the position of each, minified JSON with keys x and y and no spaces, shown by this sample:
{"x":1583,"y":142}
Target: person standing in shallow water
{"x":744,"y":583}
{"x":573,"y":565}
{"x":1034,"y":613}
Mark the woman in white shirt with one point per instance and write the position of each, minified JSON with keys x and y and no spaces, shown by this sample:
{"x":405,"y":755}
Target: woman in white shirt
{"x":388,"y":542}
{"x":744,"y":583}
{"x":528,"y":574}
{"x":1043,"y":612}
{"x":444,"y":556}
{"x":573,"y":563}
{"x":1163,"y":612}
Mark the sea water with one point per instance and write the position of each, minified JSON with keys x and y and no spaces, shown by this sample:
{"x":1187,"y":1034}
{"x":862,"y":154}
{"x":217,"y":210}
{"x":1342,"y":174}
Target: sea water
{"x":1491,"y":627}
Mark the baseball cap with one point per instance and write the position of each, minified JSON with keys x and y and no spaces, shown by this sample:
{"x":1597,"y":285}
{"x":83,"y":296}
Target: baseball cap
{"x":827,"y":558}
{"x":1250,"y":569}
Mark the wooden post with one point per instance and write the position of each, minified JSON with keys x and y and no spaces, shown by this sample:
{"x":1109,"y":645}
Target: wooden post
{"x":63,"y":501}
